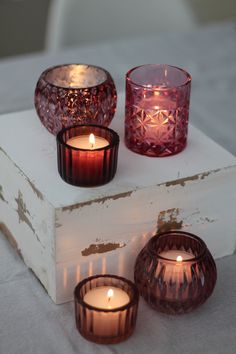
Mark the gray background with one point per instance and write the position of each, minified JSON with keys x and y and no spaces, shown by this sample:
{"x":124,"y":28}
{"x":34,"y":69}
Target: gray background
{"x":23,"y":22}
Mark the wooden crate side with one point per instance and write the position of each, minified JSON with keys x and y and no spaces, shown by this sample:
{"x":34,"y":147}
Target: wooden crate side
{"x":106,"y":235}
{"x":28,"y":221}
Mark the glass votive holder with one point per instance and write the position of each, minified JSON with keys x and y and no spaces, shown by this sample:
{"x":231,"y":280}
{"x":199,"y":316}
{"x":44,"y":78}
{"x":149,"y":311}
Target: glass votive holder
{"x":175,"y":272}
{"x":87,"y":155}
{"x":106,"y":308}
{"x":157,"y":109}
{"x":71,"y":94}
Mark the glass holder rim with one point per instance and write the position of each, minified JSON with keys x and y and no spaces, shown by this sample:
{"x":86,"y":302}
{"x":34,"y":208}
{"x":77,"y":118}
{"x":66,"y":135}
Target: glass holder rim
{"x":134,"y":301}
{"x":115,"y":138}
{"x":156,"y":87}
{"x":184,"y":234}
{"x":45,"y":72}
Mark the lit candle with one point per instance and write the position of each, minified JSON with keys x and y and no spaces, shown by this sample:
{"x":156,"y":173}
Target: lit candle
{"x":106,"y":298}
{"x":175,"y":270}
{"x":87,"y":155}
{"x":106,"y":308}
{"x":176,"y":254}
{"x":88,"y":142}
{"x":157,"y":99}
{"x":157,"y":102}
{"x":90,"y":159}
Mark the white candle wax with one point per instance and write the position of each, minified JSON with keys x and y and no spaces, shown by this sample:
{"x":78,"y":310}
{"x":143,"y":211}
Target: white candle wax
{"x":157,"y":102}
{"x":102,"y":298}
{"x":176,"y":271}
{"x":85,"y":142}
{"x":106,"y":324}
{"x":174,"y":254}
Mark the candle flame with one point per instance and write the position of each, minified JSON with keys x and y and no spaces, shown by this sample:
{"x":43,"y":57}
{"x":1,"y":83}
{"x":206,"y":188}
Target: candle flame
{"x":110,"y":293}
{"x":92,"y":140}
{"x":179,"y":259}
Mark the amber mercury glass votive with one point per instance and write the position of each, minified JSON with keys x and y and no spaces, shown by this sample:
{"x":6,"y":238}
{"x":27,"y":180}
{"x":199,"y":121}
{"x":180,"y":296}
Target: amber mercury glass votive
{"x":85,"y":162}
{"x":175,"y":272}
{"x":106,"y":308}
{"x":157,"y":109}
{"x":71,"y":94}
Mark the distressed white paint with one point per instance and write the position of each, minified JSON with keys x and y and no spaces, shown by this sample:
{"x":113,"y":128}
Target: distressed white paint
{"x":55,"y":240}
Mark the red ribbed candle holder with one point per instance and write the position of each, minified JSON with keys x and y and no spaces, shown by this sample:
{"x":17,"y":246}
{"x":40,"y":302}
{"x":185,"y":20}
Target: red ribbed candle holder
{"x":106,"y":308}
{"x":157,"y":109}
{"x":71,"y":94}
{"x":175,"y":272}
{"x":86,"y":163}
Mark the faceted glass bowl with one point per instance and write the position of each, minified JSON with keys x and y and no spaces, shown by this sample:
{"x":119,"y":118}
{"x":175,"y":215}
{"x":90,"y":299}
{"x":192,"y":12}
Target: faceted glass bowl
{"x":157,"y":109}
{"x":106,"y":326}
{"x":171,"y":286}
{"x":71,"y":94}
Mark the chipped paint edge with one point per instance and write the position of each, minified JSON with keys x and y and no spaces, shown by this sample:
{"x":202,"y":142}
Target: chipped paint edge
{"x":19,"y":212}
{"x":2,"y":195}
{"x":9,"y":236}
{"x":199,"y":176}
{"x":102,"y":200}
{"x":95,"y":248}
{"x":178,"y":182}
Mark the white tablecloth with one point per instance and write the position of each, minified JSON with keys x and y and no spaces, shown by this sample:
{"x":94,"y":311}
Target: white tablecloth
{"x":29,"y":321}
{"x":31,"y":324}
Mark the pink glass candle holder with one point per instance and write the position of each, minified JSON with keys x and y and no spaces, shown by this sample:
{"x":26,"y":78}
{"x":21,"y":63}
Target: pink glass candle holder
{"x":106,"y":308}
{"x":71,"y":94}
{"x":87,"y":155}
{"x":175,"y":272}
{"x":157,"y":109}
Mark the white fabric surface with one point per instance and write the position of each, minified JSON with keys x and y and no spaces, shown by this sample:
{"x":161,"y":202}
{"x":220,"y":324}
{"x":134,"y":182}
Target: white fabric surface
{"x":29,"y":321}
{"x":31,"y":324}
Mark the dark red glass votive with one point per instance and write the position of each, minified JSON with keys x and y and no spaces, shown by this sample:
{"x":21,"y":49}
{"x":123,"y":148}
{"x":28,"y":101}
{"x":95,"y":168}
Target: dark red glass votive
{"x":175,"y":272}
{"x":83,"y":163}
{"x":71,"y":94}
{"x":157,"y":109}
{"x":106,"y":308}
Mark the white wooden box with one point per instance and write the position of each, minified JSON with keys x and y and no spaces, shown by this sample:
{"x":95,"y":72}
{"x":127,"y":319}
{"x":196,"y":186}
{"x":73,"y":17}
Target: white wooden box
{"x":65,"y":233}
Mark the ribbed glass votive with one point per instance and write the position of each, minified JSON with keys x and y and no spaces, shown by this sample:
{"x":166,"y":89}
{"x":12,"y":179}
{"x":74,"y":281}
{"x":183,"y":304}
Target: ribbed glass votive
{"x":85,"y":162}
{"x":157,"y":109}
{"x":71,"y":94}
{"x":106,"y":308}
{"x":175,"y":272}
